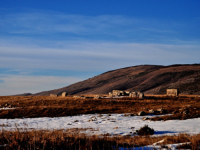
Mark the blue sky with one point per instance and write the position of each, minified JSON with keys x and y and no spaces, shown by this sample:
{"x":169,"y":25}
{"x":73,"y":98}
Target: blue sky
{"x":50,"y":44}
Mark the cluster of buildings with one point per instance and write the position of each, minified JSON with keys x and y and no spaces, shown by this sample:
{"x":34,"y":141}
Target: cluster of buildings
{"x":140,"y":95}
{"x":64,"y":94}
{"x":118,"y":93}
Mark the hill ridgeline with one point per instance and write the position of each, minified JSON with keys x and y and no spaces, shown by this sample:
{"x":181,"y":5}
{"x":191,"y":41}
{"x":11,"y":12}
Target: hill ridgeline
{"x":150,"y":79}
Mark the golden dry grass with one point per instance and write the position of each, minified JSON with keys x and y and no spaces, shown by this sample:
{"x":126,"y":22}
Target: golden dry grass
{"x":45,"y":106}
{"x":61,"y":139}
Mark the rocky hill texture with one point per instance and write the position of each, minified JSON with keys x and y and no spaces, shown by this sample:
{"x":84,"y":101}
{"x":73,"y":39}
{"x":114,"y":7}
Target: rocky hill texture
{"x":150,"y":79}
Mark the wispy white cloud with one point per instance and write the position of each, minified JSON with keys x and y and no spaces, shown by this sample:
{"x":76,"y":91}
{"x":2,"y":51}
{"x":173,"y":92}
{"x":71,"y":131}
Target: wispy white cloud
{"x":115,"y":26}
{"x":42,"y":23}
{"x":79,"y":55}
{"x":20,"y":71}
{"x":18,"y":84}
{"x":158,"y":30}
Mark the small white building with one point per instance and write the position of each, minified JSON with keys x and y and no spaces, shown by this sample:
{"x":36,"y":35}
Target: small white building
{"x":64,"y":94}
{"x":172,"y":92}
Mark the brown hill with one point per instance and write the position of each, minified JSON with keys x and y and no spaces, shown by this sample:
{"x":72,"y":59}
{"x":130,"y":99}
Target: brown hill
{"x":150,"y":79}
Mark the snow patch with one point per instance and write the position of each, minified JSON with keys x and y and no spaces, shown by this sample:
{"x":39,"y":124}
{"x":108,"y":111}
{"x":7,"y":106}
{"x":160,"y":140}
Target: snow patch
{"x":114,"y":124}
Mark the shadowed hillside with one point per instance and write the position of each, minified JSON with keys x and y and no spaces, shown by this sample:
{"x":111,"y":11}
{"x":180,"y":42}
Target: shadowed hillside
{"x":151,"y":79}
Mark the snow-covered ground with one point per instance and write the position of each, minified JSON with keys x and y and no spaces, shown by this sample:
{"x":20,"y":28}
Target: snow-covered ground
{"x":115,"y":124}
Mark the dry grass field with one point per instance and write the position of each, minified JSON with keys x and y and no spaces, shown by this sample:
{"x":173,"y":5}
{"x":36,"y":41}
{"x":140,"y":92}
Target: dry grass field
{"x":44,"y":106}
{"x":60,"y":139}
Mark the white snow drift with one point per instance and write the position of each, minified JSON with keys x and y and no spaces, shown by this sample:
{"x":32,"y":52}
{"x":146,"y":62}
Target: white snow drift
{"x":114,"y":124}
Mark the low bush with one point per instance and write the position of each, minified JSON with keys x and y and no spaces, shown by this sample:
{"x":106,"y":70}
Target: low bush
{"x":145,"y":131}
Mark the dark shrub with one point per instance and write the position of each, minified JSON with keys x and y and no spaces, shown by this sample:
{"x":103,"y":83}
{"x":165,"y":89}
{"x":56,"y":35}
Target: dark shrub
{"x":145,"y":131}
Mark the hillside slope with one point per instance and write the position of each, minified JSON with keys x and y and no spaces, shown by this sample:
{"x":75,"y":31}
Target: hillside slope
{"x":151,"y":79}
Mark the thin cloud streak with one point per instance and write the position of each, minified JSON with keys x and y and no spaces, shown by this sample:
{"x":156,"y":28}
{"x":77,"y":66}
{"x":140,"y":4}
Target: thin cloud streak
{"x":42,"y":23}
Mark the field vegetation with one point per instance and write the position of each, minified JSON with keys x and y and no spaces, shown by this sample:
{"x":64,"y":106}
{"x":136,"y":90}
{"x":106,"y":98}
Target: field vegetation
{"x":63,"y":139}
{"x":44,"y":106}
